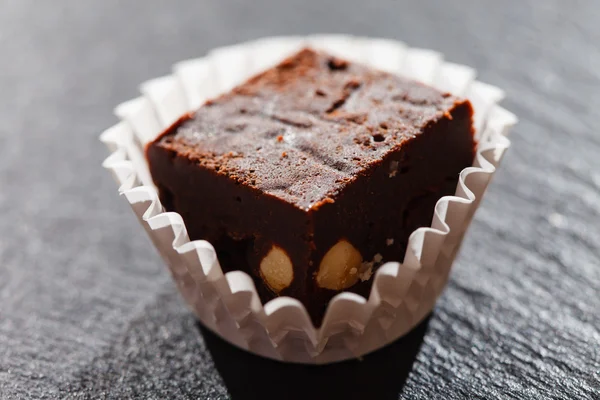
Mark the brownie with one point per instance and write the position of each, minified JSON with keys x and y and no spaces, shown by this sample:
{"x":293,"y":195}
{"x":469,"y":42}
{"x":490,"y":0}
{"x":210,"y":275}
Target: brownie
{"x":312,"y":174}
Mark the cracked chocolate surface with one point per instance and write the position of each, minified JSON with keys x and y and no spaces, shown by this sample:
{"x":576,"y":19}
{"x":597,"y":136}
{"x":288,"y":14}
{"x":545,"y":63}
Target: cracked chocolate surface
{"x":331,"y":118}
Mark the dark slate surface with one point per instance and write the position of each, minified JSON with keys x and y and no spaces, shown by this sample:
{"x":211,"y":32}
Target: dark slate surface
{"x":88,"y":311}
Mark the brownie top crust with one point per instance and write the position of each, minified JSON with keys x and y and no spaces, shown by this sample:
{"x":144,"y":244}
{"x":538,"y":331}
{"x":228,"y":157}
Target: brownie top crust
{"x":308,"y":127}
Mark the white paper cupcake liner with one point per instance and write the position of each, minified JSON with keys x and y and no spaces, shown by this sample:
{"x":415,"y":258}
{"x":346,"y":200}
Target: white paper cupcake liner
{"x":228,"y":304}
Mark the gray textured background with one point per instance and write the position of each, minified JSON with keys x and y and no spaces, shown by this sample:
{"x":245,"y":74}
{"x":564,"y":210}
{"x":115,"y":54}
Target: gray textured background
{"x":87,"y":309}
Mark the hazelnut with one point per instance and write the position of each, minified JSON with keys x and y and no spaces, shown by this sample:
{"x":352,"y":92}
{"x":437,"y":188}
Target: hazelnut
{"x":339,"y":267}
{"x":276,"y":269}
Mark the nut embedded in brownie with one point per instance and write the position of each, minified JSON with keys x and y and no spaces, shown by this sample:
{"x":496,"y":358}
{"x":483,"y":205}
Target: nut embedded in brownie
{"x":312,"y":174}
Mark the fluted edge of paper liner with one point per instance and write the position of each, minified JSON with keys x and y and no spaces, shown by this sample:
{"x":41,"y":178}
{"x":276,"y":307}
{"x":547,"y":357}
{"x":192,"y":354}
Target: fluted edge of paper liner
{"x":402,"y":293}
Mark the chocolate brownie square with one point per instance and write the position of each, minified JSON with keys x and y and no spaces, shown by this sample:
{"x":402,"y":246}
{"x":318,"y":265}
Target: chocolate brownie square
{"x":312,"y":174}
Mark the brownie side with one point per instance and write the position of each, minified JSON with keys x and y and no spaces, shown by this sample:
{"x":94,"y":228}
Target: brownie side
{"x":379,"y":211}
{"x":308,"y":154}
{"x":240,"y":221}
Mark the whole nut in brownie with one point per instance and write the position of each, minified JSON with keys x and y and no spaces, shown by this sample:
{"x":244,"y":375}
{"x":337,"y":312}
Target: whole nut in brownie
{"x":312,"y":174}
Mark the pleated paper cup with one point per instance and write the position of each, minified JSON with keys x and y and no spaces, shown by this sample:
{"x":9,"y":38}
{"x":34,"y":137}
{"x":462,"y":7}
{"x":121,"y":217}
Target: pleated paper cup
{"x":403,"y":293}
